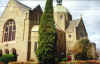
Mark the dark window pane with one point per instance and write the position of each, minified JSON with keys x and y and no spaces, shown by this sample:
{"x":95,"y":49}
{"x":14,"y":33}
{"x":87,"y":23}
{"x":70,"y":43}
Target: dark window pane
{"x":9,"y":31}
{"x":35,"y":46}
{"x":6,"y":30}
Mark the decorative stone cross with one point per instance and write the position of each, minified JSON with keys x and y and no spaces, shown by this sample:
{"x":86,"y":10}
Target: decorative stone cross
{"x":59,"y":2}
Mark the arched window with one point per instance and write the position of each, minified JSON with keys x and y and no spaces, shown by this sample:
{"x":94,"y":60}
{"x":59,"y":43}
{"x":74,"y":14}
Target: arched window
{"x":9,"y":31}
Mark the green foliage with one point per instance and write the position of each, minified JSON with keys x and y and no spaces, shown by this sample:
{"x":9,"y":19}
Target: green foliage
{"x":61,"y":59}
{"x":84,"y":49}
{"x":64,"y":59}
{"x":7,"y":58}
{"x":47,"y":36}
{"x":84,"y":41}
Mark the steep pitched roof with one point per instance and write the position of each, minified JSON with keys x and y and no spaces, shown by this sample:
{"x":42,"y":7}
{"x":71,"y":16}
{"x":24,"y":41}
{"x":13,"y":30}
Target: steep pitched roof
{"x":22,"y":6}
{"x":73,"y":24}
{"x":19,"y":5}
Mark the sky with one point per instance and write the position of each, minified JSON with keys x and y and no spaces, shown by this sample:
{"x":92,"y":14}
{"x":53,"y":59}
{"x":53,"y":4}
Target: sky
{"x":88,"y":9}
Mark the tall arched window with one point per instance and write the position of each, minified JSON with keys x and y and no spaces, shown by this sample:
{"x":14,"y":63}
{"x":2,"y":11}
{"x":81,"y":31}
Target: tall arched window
{"x":9,"y":31}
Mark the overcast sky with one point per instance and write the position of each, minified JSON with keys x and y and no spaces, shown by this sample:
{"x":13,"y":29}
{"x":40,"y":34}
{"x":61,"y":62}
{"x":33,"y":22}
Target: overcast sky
{"x":89,"y":9}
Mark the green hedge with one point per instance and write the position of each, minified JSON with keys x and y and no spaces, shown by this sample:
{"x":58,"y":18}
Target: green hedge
{"x":64,"y":59}
{"x":7,"y":58}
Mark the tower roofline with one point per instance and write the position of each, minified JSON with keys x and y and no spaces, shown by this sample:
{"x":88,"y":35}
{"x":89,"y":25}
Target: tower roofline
{"x":59,"y":2}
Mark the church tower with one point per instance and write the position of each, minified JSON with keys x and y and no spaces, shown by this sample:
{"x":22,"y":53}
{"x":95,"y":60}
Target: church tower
{"x":61,"y":16}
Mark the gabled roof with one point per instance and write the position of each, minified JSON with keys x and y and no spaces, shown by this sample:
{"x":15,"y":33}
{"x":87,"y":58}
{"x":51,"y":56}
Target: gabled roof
{"x":73,"y":24}
{"x":19,"y":5}
{"x":22,"y":6}
{"x":37,"y":8}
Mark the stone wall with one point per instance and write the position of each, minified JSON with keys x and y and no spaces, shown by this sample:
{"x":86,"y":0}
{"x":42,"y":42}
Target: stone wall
{"x":21,"y":38}
{"x":61,"y":43}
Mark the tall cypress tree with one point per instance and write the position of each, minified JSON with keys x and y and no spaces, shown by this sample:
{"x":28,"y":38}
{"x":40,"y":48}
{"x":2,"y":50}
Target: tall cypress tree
{"x":47,"y":36}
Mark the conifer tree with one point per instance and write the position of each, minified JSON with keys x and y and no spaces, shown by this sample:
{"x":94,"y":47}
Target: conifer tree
{"x":47,"y":36}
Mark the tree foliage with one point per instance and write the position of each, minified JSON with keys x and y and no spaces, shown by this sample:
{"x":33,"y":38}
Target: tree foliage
{"x":47,"y":36}
{"x":80,"y":49}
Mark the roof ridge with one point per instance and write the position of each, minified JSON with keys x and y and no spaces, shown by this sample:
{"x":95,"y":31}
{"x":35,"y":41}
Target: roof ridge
{"x":21,"y":4}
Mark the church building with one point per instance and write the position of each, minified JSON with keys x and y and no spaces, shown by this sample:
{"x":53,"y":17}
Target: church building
{"x":19,"y":26}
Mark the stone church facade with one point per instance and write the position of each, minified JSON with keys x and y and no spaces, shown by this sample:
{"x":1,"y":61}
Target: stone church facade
{"x":19,"y":26}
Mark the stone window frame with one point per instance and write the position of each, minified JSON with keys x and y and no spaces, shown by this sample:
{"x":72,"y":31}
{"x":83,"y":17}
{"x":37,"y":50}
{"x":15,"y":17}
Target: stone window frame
{"x":9,"y":31}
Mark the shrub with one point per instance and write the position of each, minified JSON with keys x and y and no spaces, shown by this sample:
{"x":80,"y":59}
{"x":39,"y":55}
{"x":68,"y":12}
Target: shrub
{"x":80,"y":49}
{"x":65,"y":59}
{"x":7,"y":58}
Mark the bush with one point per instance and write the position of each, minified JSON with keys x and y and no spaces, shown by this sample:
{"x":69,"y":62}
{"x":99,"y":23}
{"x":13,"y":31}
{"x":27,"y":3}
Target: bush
{"x":80,"y":49}
{"x":65,"y":59}
{"x":7,"y":58}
